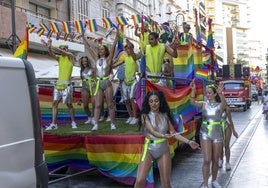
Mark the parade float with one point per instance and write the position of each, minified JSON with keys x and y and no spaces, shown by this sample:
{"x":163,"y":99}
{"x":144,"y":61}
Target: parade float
{"x":116,"y":154}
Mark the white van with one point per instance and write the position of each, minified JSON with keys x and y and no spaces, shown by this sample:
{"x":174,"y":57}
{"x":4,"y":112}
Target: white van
{"x":22,"y":163}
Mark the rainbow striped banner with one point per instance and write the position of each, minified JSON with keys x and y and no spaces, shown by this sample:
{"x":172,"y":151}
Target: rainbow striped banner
{"x":92,"y":25}
{"x":40,"y":31}
{"x":43,"y":26}
{"x":202,"y":74}
{"x":116,"y":156}
{"x":79,"y":26}
{"x":107,"y":23}
{"x":121,"y":20}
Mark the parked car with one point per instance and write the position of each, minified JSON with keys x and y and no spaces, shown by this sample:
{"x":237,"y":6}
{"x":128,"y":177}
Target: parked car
{"x":254,"y":93}
{"x":22,"y":161}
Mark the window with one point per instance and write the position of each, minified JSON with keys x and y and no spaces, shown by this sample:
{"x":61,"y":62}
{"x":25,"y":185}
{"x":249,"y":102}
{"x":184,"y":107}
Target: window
{"x":39,"y":10}
{"x":231,"y":86}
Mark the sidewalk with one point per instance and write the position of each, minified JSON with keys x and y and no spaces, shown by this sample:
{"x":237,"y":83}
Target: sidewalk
{"x":249,"y":157}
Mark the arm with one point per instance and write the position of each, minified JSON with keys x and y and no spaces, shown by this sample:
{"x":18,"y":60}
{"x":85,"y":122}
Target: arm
{"x":112,"y":51}
{"x":48,"y":44}
{"x":192,"y":96}
{"x":230,"y":120}
{"x":172,"y":49}
{"x":136,"y":31}
{"x":92,"y":53}
{"x":223,"y":101}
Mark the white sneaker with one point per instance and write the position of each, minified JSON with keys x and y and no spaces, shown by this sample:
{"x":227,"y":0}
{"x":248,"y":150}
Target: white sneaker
{"x":51,"y":127}
{"x":129,"y":120}
{"x":215,"y":184}
{"x":108,"y":119}
{"x":134,"y":121}
{"x":95,"y":127}
{"x":220,"y":163}
{"x":73,"y":125}
{"x":113,"y":126}
{"x":88,"y":121}
{"x":101,"y":118}
{"x":228,"y":166}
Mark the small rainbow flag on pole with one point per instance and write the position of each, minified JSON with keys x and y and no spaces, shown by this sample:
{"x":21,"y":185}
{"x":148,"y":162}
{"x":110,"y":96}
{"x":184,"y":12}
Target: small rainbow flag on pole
{"x":54,"y":27}
{"x":107,"y":23}
{"x":92,"y":25}
{"x":22,"y":49}
{"x":136,"y":19}
{"x":79,"y":26}
{"x":66,"y":27}
{"x":202,"y":74}
{"x":121,"y":20}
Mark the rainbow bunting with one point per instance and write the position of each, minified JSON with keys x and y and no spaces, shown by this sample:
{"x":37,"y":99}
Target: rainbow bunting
{"x":66,"y":36}
{"x":79,"y":26}
{"x":92,"y":25}
{"x":31,"y":28}
{"x":22,"y":49}
{"x":147,"y":19}
{"x":49,"y":34}
{"x":121,"y":20}
{"x":58,"y":36}
{"x":54,"y":27}
{"x":40,"y":31}
{"x":43,"y":26}
{"x":107,"y":23}
{"x":136,"y":19}
{"x":66,"y":27}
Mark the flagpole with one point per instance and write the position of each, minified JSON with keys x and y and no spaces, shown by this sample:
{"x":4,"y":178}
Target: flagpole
{"x":13,"y":37}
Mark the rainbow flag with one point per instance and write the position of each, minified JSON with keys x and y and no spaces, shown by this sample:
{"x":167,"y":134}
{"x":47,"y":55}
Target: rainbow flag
{"x":107,"y":23}
{"x":66,"y":27}
{"x":136,"y":19}
{"x":198,"y":29}
{"x":121,"y":20}
{"x":92,"y":25}
{"x":22,"y":49}
{"x":202,"y":74}
{"x":79,"y":26}
{"x":54,"y":27}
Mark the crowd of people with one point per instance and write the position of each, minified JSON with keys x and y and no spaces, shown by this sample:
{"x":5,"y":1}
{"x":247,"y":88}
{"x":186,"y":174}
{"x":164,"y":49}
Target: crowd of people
{"x":155,"y":117}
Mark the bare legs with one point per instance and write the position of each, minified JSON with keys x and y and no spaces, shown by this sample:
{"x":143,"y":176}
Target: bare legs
{"x":211,"y":153}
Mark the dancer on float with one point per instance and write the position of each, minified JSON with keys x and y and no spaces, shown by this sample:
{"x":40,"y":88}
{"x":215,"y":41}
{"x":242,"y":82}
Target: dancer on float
{"x":88,"y":85}
{"x":63,"y":89}
{"x":212,"y":129}
{"x":103,"y":70}
{"x":157,"y":121}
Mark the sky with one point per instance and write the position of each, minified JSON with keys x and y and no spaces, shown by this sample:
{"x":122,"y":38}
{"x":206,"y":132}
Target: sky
{"x":259,"y":25}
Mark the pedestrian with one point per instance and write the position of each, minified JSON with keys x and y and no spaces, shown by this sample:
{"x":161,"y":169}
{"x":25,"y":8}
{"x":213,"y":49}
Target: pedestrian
{"x":155,"y":53}
{"x":157,"y":121}
{"x":103,"y":72}
{"x":260,"y":95}
{"x":211,"y":130}
{"x":228,"y":131}
{"x":88,"y":82}
{"x":63,"y":89}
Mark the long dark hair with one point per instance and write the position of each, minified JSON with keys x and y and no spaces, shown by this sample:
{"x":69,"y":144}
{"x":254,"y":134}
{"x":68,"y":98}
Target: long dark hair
{"x":107,"y":51}
{"x":82,"y":66}
{"x":163,"y":108}
{"x":214,"y":89}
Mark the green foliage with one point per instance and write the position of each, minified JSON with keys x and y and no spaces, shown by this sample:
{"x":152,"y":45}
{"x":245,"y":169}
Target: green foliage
{"x":104,"y":128}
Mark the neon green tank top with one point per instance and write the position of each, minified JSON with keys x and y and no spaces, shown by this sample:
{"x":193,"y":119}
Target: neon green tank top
{"x":65,"y":68}
{"x":154,"y":58}
{"x":130,"y":70}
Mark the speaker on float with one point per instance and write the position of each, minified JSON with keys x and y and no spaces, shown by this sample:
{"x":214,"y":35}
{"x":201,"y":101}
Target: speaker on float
{"x":225,"y":71}
{"x":246,"y":71}
{"x":238,"y":70}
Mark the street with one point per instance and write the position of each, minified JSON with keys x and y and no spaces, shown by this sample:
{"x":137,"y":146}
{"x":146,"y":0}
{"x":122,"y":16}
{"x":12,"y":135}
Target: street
{"x":186,"y":164}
